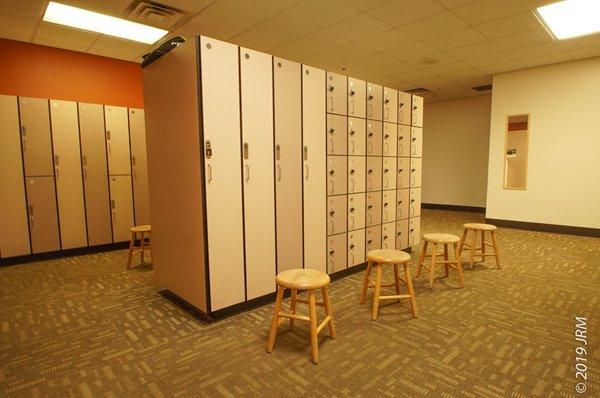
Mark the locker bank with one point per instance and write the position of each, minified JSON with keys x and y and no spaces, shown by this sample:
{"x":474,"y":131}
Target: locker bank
{"x":291,"y":198}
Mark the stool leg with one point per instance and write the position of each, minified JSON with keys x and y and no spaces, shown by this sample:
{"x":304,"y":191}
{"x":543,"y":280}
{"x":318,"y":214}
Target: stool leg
{"x":131,"y":244}
{"x":432,"y":270}
{"x":149,"y":245}
{"x":483,"y":246}
{"x":377,"y":293}
{"x":421,"y":259}
{"x":397,"y":279}
{"x":446,"y":265}
{"x":363,"y":293}
{"x":293,"y":306}
{"x":142,"y":241}
{"x":496,"y":252}
{"x":462,"y":240}
{"x":473,"y":243}
{"x":328,"y":311}
{"x":275,"y":320}
{"x":411,"y":291}
{"x":314,"y":342}
{"x":459,"y":269}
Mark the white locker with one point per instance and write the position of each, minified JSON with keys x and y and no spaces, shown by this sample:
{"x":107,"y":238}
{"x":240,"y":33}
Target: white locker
{"x":416,"y":142}
{"x":415,"y":172}
{"x":404,"y":108}
{"x":402,"y":203}
{"x":117,"y":140}
{"x":288,"y":156}
{"x":374,"y":138}
{"x":374,"y":101}
{"x":356,"y":211}
{"x":336,"y":93}
{"x":388,"y":236}
{"x":67,"y":173}
{"x":35,"y":136}
{"x":121,"y":206}
{"x":388,"y":206}
{"x":414,"y":231}
{"x":401,"y":234}
{"x":356,"y":247}
{"x":222,"y":167}
{"x":390,"y":138}
{"x":415,"y":202}
{"x":357,"y":97}
{"x":336,"y":214}
{"x":337,"y":135}
{"x":139,"y":166}
{"x":356,"y":174}
{"x":404,"y":145}
{"x":357,"y":136}
{"x":417,"y":111}
{"x":336,"y":252}
{"x":389,"y":173}
{"x":314,"y":162}
{"x":403,"y":175}
{"x":337,"y":178}
{"x":390,"y":105}
{"x":257,"y":152}
{"x":14,"y":231}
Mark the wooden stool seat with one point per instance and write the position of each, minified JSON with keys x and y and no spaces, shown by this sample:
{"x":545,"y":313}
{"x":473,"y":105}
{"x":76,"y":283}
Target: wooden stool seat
{"x":471,"y":242}
{"x":378,"y":258}
{"x":309,"y":280}
{"x":141,"y":228}
{"x":445,"y":240}
{"x":480,"y":226}
{"x":144,"y":231}
{"x":441,"y":238}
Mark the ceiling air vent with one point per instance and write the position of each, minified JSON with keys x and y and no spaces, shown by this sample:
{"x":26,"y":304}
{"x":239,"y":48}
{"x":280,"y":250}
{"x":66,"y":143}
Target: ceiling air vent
{"x":154,"y":14}
{"x":485,"y":87}
{"x":418,"y":91}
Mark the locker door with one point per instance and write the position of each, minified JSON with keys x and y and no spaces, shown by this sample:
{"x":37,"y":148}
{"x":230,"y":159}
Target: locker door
{"x":414,"y":231}
{"x":121,"y":205}
{"x":222,"y":167}
{"x":389,"y":173}
{"x":139,"y":166}
{"x":388,"y":236}
{"x":95,"y":174}
{"x":336,"y":253}
{"x":356,"y":174}
{"x":356,"y":97}
{"x":417,"y":111}
{"x":390,"y":137}
{"x":374,"y":101}
{"x":117,"y":140}
{"x":35,"y":136}
{"x":336,"y":93}
{"x":336,"y":214}
{"x":373,"y":241}
{"x":43,"y":220}
{"x":401,"y":234}
{"x":403,"y":173}
{"x":337,"y":135}
{"x":404,"y":146}
{"x":337,"y":179}
{"x":416,"y":142}
{"x":67,"y":172}
{"x":388,"y":206}
{"x":404,"y":108}
{"x":373,"y":208}
{"x":314,"y":147}
{"x":14,"y":233}
{"x":374,"y":165}
{"x":357,"y":136}
{"x":257,"y":152}
{"x":356,"y":211}
{"x":402,"y":203}
{"x":356,"y":247}
{"x":374,"y":138}
{"x":288,"y":156}
{"x":415,"y":172}
{"x":415,"y":202}
{"x":390,"y":105}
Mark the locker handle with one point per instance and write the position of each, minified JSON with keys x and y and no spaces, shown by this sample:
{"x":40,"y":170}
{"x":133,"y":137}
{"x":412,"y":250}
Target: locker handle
{"x":413,"y":180}
{"x":305,"y":153}
{"x":56,"y":160}
{"x":385,"y":215}
{"x":386,"y":182}
{"x":247,"y":172}
{"x":352,"y":185}
{"x":112,"y":204}
{"x":84,"y":160}
{"x":387,"y":148}
{"x":209,"y":172}
{"x":387,"y":112}
{"x":30,"y":207}
{"x":278,"y":172}
{"x":414,"y":149}
{"x":331,"y":146}
{"x":353,"y":110}
{"x":400,"y":148}
{"x":332,"y":186}
{"x":331,"y":107}
{"x":370,"y":183}
{"x":352,"y":142}
{"x":109,"y":148}
{"x":108,"y":134}
{"x":133,"y":160}
{"x":85,"y":173}
{"x":277,"y":152}
{"x":351,"y":222}
{"x":134,"y":171}
{"x":331,"y":228}
{"x":370,"y":109}
{"x":412,"y":210}
{"x":306,"y":172}
{"x":246,"y":151}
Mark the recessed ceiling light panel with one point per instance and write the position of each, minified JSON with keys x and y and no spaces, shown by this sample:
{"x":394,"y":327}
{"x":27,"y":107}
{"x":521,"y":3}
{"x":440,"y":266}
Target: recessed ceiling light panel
{"x":88,"y":20}
{"x":571,"y":18}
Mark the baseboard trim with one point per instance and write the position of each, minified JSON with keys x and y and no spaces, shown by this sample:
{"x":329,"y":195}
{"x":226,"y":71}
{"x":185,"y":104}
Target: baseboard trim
{"x":436,"y":206}
{"x":554,"y":228}
{"x":29,"y":258}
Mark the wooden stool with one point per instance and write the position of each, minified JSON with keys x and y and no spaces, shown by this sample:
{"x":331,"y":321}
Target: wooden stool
{"x":142,"y":230}
{"x":376,"y":259}
{"x":479,"y":251}
{"x":445,"y":240}
{"x":303,"y":279}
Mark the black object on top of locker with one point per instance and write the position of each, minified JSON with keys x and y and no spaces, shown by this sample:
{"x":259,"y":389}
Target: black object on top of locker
{"x":164,"y":48}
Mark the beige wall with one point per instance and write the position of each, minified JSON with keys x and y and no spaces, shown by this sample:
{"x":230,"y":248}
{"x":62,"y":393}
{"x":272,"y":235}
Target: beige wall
{"x":564,"y":140}
{"x":455,"y":149}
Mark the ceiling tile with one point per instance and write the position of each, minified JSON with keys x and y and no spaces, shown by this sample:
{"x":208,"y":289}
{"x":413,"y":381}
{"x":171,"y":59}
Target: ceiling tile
{"x":434,"y":25}
{"x":364,"y":4}
{"x":400,"y":12}
{"x":535,"y":50}
{"x":416,"y":76}
{"x":208,"y":27}
{"x":452,"y":67}
{"x":117,"y":48}
{"x":438,"y":58}
{"x":387,"y":40}
{"x":245,"y":14}
{"x":458,"y":38}
{"x":186,"y":5}
{"x":17,"y":28}
{"x":474,"y":81}
{"x":396,"y":68}
{"x":50,"y":34}
{"x":371,"y":61}
{"x":546,"y":60}
{"x":486,"y":10}
{"x":255,"y":41}
{"x":521,"y":22}
{"x":523,"y":39}
{"x":585,"y":53}
{"x":290,"y":52}
{"x":503,"y":67}
{"x":492,"y":59}
{"x":466,"y":74}
{"x":579,"y":42}
{"x":358,"y":27}
{"x":319,"y":42}
{"x":32,"y":9}
{"x":475,"y":50}
{"x":452,"y":3}
{"x":412,"y":51}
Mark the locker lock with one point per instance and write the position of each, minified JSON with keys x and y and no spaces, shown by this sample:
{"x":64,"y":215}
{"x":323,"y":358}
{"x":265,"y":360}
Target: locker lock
{"x":385,"y":204}
{"x":352,"y":246}
{"x":246,"y":151}
{"x":415,"y":107}
{"x":331,"y":252}
{"x":414,"y":139}
{"x":400,"y":170}
{"x":331,"y":130}
{"x":352,"y":210}
{"x":401,"y":104}
{"x":413,"y":170}
{"x":370,"y":134}
{"x":370,"y":207}
{"x":386,"y":170}
{"x":108,"y":134}
{"x":384,"y":237}
{"x":277,"y":152}
{"x":56,"y":160}
{"x":352,"y":171}
{"x":412,"y":230}
{"x":412,"y":201}
{"x":331,"y":88}
{"x":331,"y":172}
{"x":387,"y":101}
{"x":387,"y":136}
{"x":399,"y":138}
{"x":331,"y":212}
{"x":30,"y":208}
{"x":399,"y":202}
{"x":207,"y":149}
{"x":399,"y":233}
{"x":23,"y":131}
{"x":370,"y":171}
{"x":369,"y":241}
{"x":352,"y":92}
{"x":305,"y":153}
{"x":352,"y":132}
{"x":370,"y":97}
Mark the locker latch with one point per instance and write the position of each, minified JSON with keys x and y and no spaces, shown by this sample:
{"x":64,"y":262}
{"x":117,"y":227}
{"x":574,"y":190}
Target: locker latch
{"x":112,"y":204}
{"x":331,"y":252}
{"x":401,"y":104}
{"x":207,"y":150}
{"x":56,"y":160}
{"x":331,"y":130}
{"x":133,"y":160}
{"x":331,"y":212}
{"x":246,"y":154}
{"x":370,"y":97}
{"x":352,"y":132}
{"x":305,"y":153}
{"x":387,"y":101}
{"x":108,"y":134}
{"x":385,"y":205}
{"x":30,"y":210}
{"x":331,"y":172}
{"x":331,"y":88}
{"x":277,"y":152}
{"x":23,"y":131}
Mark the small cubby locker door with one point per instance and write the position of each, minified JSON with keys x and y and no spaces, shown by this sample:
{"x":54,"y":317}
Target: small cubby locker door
{"x":336,"y":252}
{"x":336,"y":93}
{"x":374,"y":101}
{"x":357,"y":136}
{"x":336,"y":214}
{"x":404,"y":108}
{"x":388,"y":206}
{"x":415,"y":202}
{"x":337,"y":135}
{"x":356,"y":174}
{"x":388,"y":236}
{"x":337,"y":179}
{"x":356,"y":211}
{"x":356,"y":247}
{"x":357,"y":97}
{"x":390,"y":105}
{"x":373,"y":238}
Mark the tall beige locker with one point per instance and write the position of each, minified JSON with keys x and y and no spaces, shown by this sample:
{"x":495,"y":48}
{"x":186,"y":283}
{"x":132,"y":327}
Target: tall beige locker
{"x":257,"y":157}
{"x":222,"y":167}
{"x":117,"y":140}
{"x":314,"y":168}
{"x":336,"y":93}
{"x":95,"y":173}
{"x":14,"y":233}
{"x":288,"y":156}
{"x":67,"y":174}
{"x":35,"y":136}
{"x":43,"y":219}
{"x":121,"y":207}
{"x":139,"y":166}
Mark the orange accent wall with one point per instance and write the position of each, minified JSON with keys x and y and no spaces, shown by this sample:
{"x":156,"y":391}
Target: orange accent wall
{"x":31,"y":70}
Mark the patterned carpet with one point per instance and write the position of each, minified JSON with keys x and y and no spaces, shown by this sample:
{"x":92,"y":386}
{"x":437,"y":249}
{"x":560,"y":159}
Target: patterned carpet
{"x":85,"y":326}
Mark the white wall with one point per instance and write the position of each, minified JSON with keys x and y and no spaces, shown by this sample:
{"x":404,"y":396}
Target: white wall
{"x":563,"y":179}
{"x":455,"y":151}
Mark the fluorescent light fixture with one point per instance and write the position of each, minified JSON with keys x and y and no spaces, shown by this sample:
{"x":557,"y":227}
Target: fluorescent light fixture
{"x":88,"y":20}
{"x":571,"y":18}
